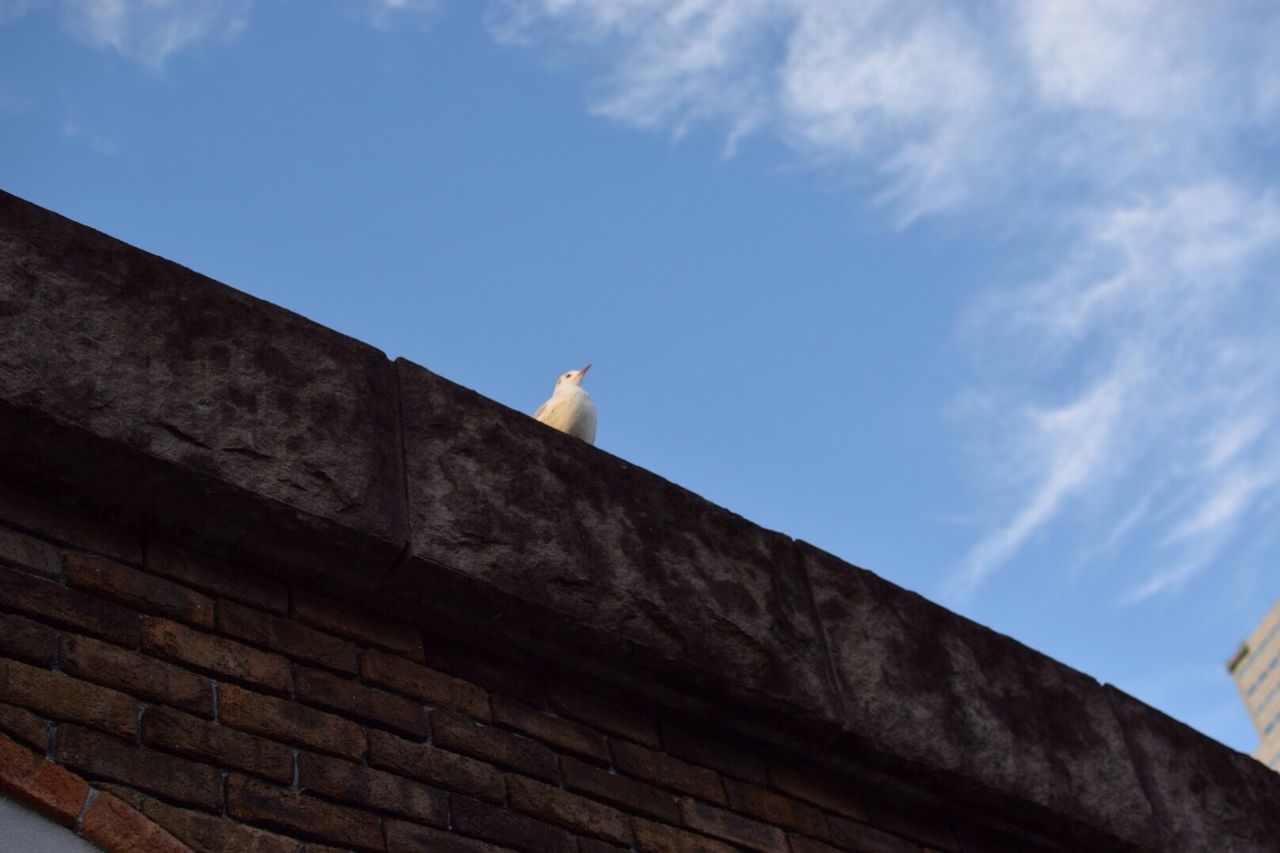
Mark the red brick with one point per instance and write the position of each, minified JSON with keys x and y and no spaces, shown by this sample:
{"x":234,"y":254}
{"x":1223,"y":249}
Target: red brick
{"x":625,"y":721}
{"x":353,"y":783}
{"x":565,"y":735}
{"x":460,"y":734}
{"x":284,"y":635}
{"x":23,"y":726}
{"x":216,"y":577}
{"x":775,"y":808}
{"x":100,"y":756}
{"x":524,"y":681}
{"x":216,"y":654}
{"x":139,"y":590}
{"x":353,"y":699}
{"x":290,"y":722}
{"x":628,"y":794}
{"x":656,"y":838}
{"x":403,"y":837}
{"x":50,"y":789}
{"x":729,"y":760}
{"x":68,"y":528}
{"x":62,"y":697}
{"x":340,"y":618}
{"x":800,"y":844}
{"x":569,"y":810}
{"x":262,"y":804}
{"x":661,"y":769}
{"x":735,"y":829}
{"x":424,"y":684}
{"x":838,"y":797}
{"x":859,"y":836}
{"x":208,"y":834}
{"x":30,"y":554}
{"x":503,"y":826}
{"x":135,"y":674}
{"x":26,"y":640}
{"x":174,"y":731}
{"x":113,"y":824}
{"x":435,"y":766}
{"x":55,"y":603}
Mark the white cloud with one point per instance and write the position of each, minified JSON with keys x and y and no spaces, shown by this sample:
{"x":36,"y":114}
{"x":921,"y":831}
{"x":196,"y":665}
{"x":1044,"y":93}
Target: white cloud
{"x":146,"y":31}
{"x":1131,"y":382}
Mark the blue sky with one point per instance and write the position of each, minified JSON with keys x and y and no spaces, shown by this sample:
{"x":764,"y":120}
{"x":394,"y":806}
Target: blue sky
{"x":981,"y":297}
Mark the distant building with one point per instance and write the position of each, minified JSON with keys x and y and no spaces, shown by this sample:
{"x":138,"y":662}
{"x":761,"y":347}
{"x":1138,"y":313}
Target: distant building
{"x":1255,"y":666}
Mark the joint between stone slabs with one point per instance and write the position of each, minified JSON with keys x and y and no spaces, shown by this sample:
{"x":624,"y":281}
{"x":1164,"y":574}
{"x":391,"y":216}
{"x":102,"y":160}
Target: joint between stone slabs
{"x":824,"y":645}
{"x":407,"y":551}
{"x":1138,"y":771}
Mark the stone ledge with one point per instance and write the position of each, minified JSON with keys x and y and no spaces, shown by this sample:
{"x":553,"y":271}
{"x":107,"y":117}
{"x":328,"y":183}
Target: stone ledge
{"x":180,"y":406}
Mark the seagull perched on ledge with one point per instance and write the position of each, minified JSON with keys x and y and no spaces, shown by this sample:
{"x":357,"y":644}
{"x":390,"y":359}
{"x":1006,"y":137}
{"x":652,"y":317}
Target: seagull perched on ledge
{"x":569,"y":408}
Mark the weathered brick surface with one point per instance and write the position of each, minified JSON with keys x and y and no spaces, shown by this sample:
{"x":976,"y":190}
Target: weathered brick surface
{"x":30,"y":553}
{"x":139,"y":590}
{"x":404,"y":837}
{"x":114,"y":825}
{"x":629,"y":721}
{"x":285,"y":635}
{"x":435,"y":766}
{"x":352,"y":699}
{"x":803,"y":844}
{"x":100,"y":756}
{"x":26,"y":776}
{"x":174,"y":731}
{"x":706,"y":751}
{"x":362,"y":626}
{"x":838,"y":797}
{"x":425,"y":684}
{"x":565,"y":735}
{"x":216,"y":577}
{"x":628,"y":794}
{"x":595,"y":845}
{"x":858,"y":836}
{"x":55,"y":603}
{"x":64,"y":526}
{"x":135,"y":674}
{"x":658,"y":838}
{"x":62,"y":697}
{"x":27,"y":641}
{"x":912,"y":820}
{"x":460,"y":734}
{"x":661,"y":769}
{"x":503,"y":826}
{"x":274,"y":808}
{"x":745,"y":832}
{"x":288,"y":721}
{"x":775,"y":808}
{"x":353,"y":783}
{"x":226,"y":658}
{"x":570,"y":810}
{"x":23,"y":726}
{"x":206,"y":833}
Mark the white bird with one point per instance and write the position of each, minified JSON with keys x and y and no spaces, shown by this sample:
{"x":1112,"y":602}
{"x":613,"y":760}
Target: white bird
{"x":569,"y":408}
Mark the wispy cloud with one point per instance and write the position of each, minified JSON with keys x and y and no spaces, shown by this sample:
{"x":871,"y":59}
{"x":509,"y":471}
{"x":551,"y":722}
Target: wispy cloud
{"x":146,"y":31}
{"x":383,"y":13}
{"x":1133,"y":378}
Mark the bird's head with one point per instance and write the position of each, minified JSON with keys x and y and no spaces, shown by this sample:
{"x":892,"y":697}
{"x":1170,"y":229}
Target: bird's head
{"x":571,"y":377}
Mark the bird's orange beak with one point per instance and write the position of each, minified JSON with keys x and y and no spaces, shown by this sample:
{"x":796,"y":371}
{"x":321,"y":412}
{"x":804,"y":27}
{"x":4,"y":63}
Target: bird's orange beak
{"x":584,"y":370}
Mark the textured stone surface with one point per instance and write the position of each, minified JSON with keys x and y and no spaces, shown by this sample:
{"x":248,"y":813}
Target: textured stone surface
{"x":648,"y":568}
{"x":150,"y":357}
{"x":1206,"y":797}
{"x":977,"y":709}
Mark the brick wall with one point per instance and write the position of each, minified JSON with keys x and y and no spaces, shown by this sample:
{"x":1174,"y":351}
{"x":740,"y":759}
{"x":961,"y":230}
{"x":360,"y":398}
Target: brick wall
{"x":238,"y":711}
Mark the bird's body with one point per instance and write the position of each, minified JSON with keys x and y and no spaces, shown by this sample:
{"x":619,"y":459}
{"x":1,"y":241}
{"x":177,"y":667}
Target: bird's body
{"x":569,"y":408}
